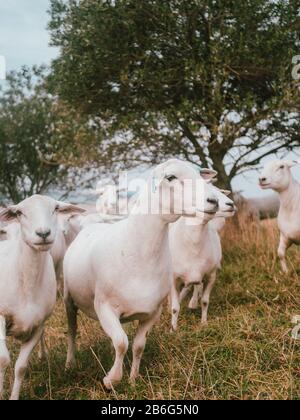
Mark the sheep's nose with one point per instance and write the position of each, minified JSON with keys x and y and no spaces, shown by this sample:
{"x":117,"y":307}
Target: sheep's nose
{"x":213,"y":201}
{"x":230,"y":204}
{"x":263,"y":179}
{"x":44,"y":234}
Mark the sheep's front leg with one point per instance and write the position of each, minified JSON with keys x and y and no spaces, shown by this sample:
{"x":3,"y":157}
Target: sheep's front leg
{"x":23,"y":360}
{"x":113,"y":328}
{"x":139,"y":343}
{"x":194,"y":302}
{"x":4,"y":354}
{"x":284,"y":245}
{"x":175,"y":303}
{"x":206,"y":296}
{"x":72,"y":312}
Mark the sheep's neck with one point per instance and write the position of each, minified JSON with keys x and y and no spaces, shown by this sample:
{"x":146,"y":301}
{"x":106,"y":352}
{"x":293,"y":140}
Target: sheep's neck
{"x":195,"y":233}
{"x":146,"y":235}
{"x":31,"y":265}
{"x":290,"y":197}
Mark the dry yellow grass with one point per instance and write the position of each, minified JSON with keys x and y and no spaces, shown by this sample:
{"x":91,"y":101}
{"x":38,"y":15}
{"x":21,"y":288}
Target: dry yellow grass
{"x":246,"y":352}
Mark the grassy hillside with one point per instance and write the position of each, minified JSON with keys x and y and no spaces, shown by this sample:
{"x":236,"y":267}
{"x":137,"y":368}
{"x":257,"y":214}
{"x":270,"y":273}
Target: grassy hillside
{"x":246,"y":352}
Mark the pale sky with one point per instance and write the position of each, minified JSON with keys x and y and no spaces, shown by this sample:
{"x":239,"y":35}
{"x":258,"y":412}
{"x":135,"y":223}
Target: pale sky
{"x":24,"y":40}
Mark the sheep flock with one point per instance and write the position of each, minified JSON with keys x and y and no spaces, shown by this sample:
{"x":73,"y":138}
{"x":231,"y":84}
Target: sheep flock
{"x":125,"y":268}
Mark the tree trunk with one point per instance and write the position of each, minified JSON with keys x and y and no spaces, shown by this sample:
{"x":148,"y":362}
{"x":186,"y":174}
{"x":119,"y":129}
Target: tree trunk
{"x":224,"y":181}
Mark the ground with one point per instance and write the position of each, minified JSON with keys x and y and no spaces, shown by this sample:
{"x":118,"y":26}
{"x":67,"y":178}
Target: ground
{"x":246,"y":352}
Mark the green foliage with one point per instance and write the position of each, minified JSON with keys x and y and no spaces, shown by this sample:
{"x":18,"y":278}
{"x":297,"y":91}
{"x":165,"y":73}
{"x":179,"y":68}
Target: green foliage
{"x":189,"y":78}
{"x":26,"y":137}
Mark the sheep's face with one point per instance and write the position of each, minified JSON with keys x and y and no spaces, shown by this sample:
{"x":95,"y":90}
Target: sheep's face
{"x":276,"y":175}
{"x":38,"y":219}
{"x":226,"y":205}
{"x":109,"y":198}
{"x":182,"y":191}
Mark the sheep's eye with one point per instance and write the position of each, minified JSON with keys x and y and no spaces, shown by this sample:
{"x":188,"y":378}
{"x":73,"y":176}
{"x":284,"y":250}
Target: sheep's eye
{"x":171,"y":178}
{"x":281,"y":167}
{"x":19,"y":213}
{"x":56,"y":208}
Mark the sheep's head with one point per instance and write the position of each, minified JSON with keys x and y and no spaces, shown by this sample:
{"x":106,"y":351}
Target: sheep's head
{"x":226,"y":205}
{"x":38,"y":219}
{"x":277,"y":175}
{"x":178,"y":189}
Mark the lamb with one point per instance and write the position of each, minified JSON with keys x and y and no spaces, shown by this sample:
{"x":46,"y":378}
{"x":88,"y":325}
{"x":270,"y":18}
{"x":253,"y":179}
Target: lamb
{"x":277,"y":176}
{"x":27,"y":279}
{"x":196,"y":254}
{"x":122,"y":272}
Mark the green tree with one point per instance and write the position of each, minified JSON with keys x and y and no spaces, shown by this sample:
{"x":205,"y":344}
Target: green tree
{"x":207,"y":80}
{"x":27,"y":141}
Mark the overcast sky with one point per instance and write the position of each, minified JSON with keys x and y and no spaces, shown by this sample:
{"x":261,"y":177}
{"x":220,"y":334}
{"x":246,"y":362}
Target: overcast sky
{"x":24,"y":40}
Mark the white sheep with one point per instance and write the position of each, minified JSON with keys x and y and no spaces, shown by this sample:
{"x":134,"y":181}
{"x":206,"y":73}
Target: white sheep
{"x":196,"y":254}
{"x":27,"y":279}
{"x":122,"y":272}
{"x":114,"y":200}
{"x":58,"y":251}
{"x":277,"y":176}
{"x":78,"y":222}
{"x":9,"y":231}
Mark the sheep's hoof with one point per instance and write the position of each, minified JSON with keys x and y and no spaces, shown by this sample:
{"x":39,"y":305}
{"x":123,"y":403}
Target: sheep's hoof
{"x":204,"y":324}
{"x":70,"y":365}
{"x":193,"y":306}
{"x":43,"y":356}
{"x":109,"y":383}
{"x":132,"y":381}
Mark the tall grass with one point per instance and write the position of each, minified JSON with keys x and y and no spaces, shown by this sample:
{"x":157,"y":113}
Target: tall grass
{"x":246,"y":352}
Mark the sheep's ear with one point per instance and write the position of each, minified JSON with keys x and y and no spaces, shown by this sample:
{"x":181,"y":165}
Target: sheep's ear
{"x":208,"y":174}
{"x":8,"y":214}
{"x":226,"y":192}
{"x":292,"y":163}
{"x":71,"y":217}
{"x":69,"y":208}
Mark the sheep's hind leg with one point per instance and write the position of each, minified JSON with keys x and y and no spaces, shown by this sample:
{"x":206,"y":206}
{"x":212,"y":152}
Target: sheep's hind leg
{"x":111,"y":324}
{"x":139,"y":344}
{"x":175,"y":303}
{"x":43,"y":348}
{"x":72,"y":312}
{"x":194,"y":302}
{"x":206,"y":296}
{"x":184,"y":292}
{"x":22,"y":362}
{"x":284,"y":245}
{"x":4,"y":354}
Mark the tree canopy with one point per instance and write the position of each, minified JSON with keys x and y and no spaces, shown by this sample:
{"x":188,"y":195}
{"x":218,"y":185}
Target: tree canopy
{"x":27,"y":143}
{"x":207,"y":80}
